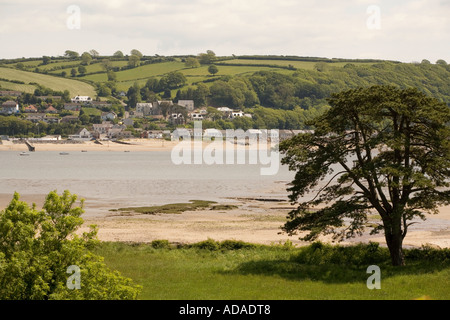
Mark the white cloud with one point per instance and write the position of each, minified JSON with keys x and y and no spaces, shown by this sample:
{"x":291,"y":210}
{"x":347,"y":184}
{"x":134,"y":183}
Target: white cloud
{"x":410,"y":29}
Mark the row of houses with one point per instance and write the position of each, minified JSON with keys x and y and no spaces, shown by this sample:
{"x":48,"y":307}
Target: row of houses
{"x":251,"y":134}
{"x":33,"y":109}
{"x":74,"y":106}
{"x":9,"y":93}
{"x":105,"y":130}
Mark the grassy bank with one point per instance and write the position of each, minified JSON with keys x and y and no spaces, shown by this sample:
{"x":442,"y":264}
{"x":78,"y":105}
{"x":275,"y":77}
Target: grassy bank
{"x":238,"y":271}
{"x":55,"y":83}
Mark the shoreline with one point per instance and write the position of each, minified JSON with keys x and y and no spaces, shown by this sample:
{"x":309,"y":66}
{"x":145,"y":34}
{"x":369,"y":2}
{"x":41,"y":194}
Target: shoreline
{"x":133,"y":145}
{"x":106,"y":146}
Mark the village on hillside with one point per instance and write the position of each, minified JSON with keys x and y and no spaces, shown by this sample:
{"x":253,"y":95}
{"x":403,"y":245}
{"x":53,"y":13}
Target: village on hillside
{"x":149,"y":120}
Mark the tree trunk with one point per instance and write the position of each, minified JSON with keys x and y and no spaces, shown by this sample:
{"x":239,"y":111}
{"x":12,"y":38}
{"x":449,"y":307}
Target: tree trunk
{"x":395,"y":244}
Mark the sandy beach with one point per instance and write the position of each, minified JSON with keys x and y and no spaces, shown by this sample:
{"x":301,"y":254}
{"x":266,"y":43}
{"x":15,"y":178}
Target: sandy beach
{"x":252,"y":221}
{"x":135,"y":145}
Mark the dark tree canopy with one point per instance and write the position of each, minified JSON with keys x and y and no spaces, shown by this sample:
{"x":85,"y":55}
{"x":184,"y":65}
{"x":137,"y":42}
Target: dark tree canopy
{"x":377,"y":150}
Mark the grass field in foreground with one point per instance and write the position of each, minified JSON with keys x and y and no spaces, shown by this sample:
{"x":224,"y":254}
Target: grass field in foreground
{"x":237,"y":271}
{"x":54,"y":83}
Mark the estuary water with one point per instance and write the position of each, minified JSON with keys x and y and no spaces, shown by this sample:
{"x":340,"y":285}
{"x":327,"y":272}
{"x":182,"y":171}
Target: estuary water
{"x":112,"y":179}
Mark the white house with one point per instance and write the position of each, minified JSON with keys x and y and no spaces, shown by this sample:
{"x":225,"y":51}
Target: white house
{"x":81,"y":135}
{"x":145,"y":108}
{"x":155,"y":135}
{"x":237,"y":114}
{"x":10,"y":107}
{"x":224,"y":109}
{"x":107,"y":116}
{"x":102,"y":128}
{"x":81,"y":99}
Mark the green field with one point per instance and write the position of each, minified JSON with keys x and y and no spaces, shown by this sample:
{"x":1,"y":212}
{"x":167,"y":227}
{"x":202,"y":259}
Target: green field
{"x":126,"y":78}
{"x":27,"y":88}
{"x":92,"y":112}
{"x":54,"y":83}
{"x":236,"y":271}
{"x":306,"y":65}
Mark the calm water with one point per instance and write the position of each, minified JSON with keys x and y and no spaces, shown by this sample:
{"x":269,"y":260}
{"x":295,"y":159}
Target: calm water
{"x":135,"y":178}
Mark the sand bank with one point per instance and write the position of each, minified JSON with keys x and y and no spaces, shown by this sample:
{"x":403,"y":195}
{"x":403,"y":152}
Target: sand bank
{"x":253,"y":221}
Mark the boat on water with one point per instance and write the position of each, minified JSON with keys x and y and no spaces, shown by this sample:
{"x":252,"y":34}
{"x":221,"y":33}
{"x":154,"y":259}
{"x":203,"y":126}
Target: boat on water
{"x":64,"y":153}
{"x":24,"y":154}
{"x":83,"y":150}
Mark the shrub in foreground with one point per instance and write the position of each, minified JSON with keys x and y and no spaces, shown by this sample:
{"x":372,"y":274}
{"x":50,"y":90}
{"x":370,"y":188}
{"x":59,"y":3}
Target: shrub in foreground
{"x":39,"y":248}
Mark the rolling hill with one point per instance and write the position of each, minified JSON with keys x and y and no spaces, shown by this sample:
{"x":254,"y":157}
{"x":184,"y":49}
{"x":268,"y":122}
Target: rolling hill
{"x":30,"y":80}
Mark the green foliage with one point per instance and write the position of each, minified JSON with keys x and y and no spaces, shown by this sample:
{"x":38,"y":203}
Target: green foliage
{"x":209,"y":245}
{"x":37,"y":248}
{"x":118,"y":54}
{"x":227,"y":245}
{"x":213,"y":70}
{"x":192,"y":63}
{"x":86,"y":58}
{"x":175,"y":208}
{"x":133,"y":61}
{"x":160,"y":244}
{"x":427,"y":253}
{"x":172,"y":80}
{"x":207,"y":58}
{"x":356,"y":255}
{"x":71,"y":54}
{"x":399,"y":140}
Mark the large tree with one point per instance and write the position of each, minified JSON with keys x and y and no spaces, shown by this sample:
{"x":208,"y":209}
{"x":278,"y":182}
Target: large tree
{"x":377,"y":150}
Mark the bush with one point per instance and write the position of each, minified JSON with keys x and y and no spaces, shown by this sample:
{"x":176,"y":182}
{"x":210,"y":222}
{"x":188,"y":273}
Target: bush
{"x":236,"y":245}
{"x":358,"y":255}
{"x":209,"y":245}
{"x":160,"y":244}
{"x":38,"y":247}
{"x":226,"y":245}
{"x":427,"y":253}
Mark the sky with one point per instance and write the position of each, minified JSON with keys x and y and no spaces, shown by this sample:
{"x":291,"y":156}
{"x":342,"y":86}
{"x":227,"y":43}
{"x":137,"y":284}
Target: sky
{"x":404,"y":30}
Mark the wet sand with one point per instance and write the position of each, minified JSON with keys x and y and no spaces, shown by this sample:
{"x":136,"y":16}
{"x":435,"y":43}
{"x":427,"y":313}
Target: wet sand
{"x":253,"y":221}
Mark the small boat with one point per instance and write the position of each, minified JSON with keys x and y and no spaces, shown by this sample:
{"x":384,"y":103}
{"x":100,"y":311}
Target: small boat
{"x":64,"y":153}
{"x":83,"y":150}
{"x":24,"y":154}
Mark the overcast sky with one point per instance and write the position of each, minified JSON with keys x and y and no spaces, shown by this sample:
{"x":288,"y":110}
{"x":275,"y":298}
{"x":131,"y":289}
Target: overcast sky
{"x":404,"y":30}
